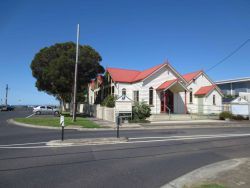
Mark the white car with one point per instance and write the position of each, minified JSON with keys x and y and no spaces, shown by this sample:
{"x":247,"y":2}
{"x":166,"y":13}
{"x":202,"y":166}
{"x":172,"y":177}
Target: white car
{"x":46,"y":110}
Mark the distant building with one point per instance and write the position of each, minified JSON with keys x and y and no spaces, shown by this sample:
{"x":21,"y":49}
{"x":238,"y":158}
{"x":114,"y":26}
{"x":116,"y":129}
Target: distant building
{"x":234,"y":86}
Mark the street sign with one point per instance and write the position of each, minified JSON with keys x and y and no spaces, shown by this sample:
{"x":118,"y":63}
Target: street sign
{"x":62,"y":121}
{"x":62,"y":124}
{"x":123,"y":109}
{"x":123,"y":104}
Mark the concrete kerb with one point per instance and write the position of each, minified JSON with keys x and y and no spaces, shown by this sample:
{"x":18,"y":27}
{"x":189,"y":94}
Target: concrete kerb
{"x":88,"y":141}
{"x":204,"y":174}
{"x":148,"y":126}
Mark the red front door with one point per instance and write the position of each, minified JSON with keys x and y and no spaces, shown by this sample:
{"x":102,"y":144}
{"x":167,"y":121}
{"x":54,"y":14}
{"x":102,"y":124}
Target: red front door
{"x":167,"y":101}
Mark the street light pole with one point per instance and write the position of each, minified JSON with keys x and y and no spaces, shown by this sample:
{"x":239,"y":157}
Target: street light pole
{"x":75,"y":80}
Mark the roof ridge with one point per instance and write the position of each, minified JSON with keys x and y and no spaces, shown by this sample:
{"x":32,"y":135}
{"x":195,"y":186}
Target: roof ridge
{"x":124,"y":69}
{"x":201,"y":70}
{"x":156,"y":67}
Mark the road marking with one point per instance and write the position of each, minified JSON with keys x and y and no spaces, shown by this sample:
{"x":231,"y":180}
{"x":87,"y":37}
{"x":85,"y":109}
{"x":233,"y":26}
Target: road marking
{"x":192,"y":136}
{"x":30,"y":115}
{"x":37,"y":147}
{"x":33,"y":143}
{"x":164,"y":139}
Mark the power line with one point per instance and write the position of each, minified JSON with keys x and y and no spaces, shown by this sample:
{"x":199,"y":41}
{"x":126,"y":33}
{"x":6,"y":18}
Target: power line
{"x":229,"y":55}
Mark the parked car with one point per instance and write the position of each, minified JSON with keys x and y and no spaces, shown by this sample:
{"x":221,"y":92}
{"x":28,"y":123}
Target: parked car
{"x":46,"y":110}
{"x":7,"y":108}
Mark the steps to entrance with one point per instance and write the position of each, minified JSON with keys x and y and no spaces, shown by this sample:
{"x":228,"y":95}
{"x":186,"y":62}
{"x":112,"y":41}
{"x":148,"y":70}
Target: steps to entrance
{"x":179,"y":117}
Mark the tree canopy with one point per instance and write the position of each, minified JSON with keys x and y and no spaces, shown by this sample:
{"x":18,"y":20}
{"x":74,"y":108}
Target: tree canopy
{"x":53,"y":67}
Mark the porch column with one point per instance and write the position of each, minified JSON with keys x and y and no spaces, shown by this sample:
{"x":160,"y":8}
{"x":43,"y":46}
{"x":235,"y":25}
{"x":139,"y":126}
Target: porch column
{"x":185,"y":107}
{"x":164,"y":99}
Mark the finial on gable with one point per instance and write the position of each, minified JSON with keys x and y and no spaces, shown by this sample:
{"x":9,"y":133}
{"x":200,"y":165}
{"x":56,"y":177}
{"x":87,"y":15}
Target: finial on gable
{"x":166,"y":61}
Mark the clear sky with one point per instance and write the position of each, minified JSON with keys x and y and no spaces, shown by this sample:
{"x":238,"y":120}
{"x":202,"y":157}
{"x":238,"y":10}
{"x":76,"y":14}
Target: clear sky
{"x":136,"y":34}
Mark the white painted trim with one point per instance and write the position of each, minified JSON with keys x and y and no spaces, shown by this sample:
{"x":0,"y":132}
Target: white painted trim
{"x":178,"y":74}
{"x":176,"y":81}
{"x":244,"y":79}
{"x":152,"y":73}
{"x":171,"y":68}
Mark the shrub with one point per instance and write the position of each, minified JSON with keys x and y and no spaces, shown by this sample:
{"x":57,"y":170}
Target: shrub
{"x":139,"y":121}
{"x":225,"y":115}
{"x":109,"y":101}
{"x":238,"y":117}
{"x":141,"y":111}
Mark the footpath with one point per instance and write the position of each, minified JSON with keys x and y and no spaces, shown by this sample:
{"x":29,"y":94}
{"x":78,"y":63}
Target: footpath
{"x":233,"y":173}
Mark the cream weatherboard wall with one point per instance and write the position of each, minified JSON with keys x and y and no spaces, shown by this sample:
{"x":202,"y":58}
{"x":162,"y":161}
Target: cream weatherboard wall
{"x":194,"y":86}
{"x":203,"y":104}
{"x":155,"y":80}
{"x":179,"y":103}
{"x":209,"y":107}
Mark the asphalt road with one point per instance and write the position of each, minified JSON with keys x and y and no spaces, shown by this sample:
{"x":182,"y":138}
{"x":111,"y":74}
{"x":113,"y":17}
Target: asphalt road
{"x":153,"y":162}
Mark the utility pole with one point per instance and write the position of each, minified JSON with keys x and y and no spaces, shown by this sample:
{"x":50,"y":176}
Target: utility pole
{"x":6,"y":95}
{"x":75,"y":80}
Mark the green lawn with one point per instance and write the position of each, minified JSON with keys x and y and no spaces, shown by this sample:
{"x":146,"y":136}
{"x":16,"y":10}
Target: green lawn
{"x":54,"y":121}
{"x":210,"y":186}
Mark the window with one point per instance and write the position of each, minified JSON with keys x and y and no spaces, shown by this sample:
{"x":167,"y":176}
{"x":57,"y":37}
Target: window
{"x":123,"y":91}
{"x":49,"y":107}
{"x":136,"y":96}
{"x":43,"y":107}
{"x":191,"y":96}
{"x":113,"y":90}
{"x":151,"y":93}
{"x":214,"y":100}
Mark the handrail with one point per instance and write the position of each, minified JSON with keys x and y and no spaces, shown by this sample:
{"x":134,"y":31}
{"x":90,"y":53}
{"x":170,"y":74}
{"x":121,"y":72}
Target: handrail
{"x":169,"y":112}
{"x":190,"y":109}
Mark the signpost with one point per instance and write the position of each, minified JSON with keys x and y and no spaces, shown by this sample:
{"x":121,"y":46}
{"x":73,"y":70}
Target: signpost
{"x":123,"y":109}
{"x":118,"y":121}
{"x":62,"y":125}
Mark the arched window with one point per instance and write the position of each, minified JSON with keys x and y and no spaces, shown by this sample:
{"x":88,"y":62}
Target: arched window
{"x":214,"y":101}
{"x":123,"y":91}
{"x":151,"y":95}
{"x":191,"y":96}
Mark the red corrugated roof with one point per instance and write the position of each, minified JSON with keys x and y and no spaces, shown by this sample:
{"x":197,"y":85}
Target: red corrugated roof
{"x":190,"y":76}
{"x":122,"y":75}
{"x":144,"y":74}
{"x":166,"y":84}
{"x":130,"y":76}
{"x":205,"y":90}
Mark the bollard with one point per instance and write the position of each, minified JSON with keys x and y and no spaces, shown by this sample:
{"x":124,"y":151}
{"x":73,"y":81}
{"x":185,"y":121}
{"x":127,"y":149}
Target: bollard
{"x":62,"y":125}
{"x":62,"y":133}
{"x":117,"y":126}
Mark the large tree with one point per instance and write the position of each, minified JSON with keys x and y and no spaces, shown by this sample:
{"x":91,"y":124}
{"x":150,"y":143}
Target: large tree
{"x":53,"y":67}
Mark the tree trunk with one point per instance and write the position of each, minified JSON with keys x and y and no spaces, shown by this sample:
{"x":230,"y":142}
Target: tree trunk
{"x":62,"y":104}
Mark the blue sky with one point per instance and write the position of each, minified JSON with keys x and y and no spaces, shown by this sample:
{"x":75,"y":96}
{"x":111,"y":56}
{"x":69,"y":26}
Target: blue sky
{"x":135,"y":34}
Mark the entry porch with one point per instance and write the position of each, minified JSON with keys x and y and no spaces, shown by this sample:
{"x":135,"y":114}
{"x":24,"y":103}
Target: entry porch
{"x":172,"y":97}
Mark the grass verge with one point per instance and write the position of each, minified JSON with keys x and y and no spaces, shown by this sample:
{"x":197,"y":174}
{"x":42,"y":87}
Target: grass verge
{"x":54,"y":122}
{"x":210,"y":186}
